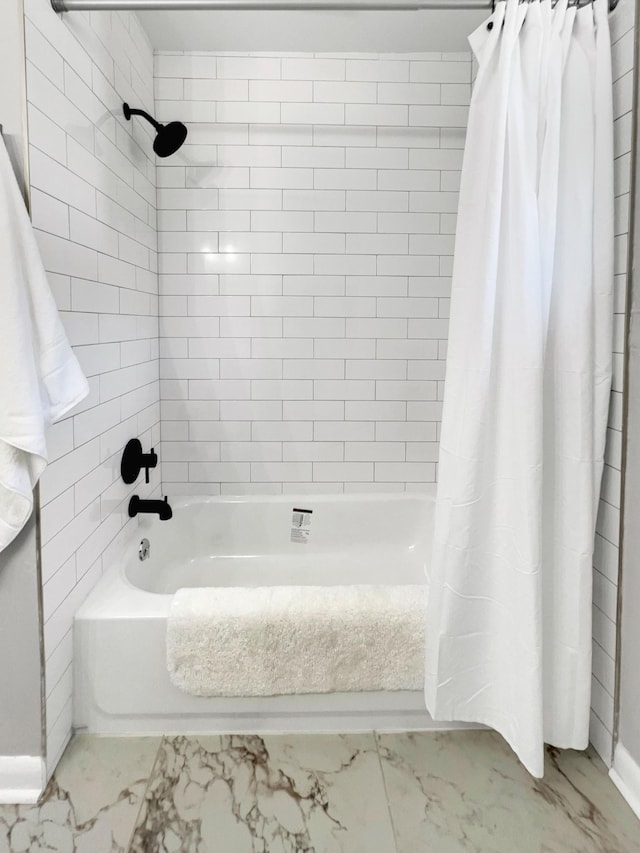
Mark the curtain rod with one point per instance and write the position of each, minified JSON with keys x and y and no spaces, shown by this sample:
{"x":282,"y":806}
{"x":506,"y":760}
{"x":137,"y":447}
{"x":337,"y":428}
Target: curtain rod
{"x":266,"y":5}
{"x":273,"y":5}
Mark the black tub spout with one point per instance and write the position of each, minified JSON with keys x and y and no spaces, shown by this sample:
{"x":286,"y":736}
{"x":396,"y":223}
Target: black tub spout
{"x":138,"y":505}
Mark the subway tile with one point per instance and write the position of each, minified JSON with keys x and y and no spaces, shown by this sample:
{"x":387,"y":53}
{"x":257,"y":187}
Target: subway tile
{"x":344,"y":92}
{"x":345,"y":264}
{"x":374,"y":451}
{"x":375,"y":368}
{"x":344,"y":136}
{"x":375,"y":285}
{"x":380,"y":115}
{"x":313,"y":410}
{"x":343,"y":348}
{"x":251,"y":451}
{"x":281,"y":306}
{"x":219,"y":471}
{"x":282,"y":178}
{"x":345,"y":222}
{"x":314,"y":368}
{"x":313,"y":285}
{"x":313,"y":200}
{"x":377,"y":158}
{"x":314,"y":327}
{"x":250,"y":410}
{"x":341,"y":471}
{"x":217,"y":220}
{"x":408,"y":93}
{"x":211,"y":89}
{"x":250,"y":327}
{"x":345,"y":179}
{"x":249,"y":242}
{"x":288,"y":347}
{"x":344,"y":431}
{"x":343,"y":389}
{"x":282,"y":389}
{"x":267,"y":472}
{"x":313,"y":113}
{"x":220,"y":431}
{"x":280,"y":90}
{"x":313,"y":243}
{"x":368,"y":410}
{"x":204,"y":347}
{"x":377,"y":70}
{"x":440,"y":72}
{"x":423,"y":472}
{"x":251,"y":368}
{"x":250,"y":199}
{"x":313,"y":69}
{"x":313,"y":451}
{"x":344,"y":306}
{"x":410,"y":431}
{"x":253,"y":68}
{"x":377,"y":244}
{"x":284,"y":431}
{"x":281,"y":134}
{"x":250,"y":285}
{"x":275,"y":220}
{"x":248,"y":155}
{"x":377,"y":200}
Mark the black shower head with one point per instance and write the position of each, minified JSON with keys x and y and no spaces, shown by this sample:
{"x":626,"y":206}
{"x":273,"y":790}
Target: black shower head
{"x":169,"y":136}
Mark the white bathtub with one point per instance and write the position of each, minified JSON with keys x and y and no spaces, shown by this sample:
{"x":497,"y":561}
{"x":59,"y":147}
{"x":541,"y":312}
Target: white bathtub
{"x":121,"y":679}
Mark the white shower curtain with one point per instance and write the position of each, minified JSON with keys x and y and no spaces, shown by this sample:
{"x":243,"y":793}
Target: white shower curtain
{"x":527,"y":385}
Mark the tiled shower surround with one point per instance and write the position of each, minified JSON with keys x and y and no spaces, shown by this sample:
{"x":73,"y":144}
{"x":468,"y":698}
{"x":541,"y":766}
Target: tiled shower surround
{"x":306,"y":234}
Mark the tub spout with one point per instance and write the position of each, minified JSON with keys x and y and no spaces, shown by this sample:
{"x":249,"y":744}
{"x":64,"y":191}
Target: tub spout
{"x":138,"y":505}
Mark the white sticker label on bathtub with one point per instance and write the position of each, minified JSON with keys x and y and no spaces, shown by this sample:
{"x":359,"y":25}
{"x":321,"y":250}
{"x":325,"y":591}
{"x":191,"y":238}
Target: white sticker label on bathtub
{"x":301,"y":525}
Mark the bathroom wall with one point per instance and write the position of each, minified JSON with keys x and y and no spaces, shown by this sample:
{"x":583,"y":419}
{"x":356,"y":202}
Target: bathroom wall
{"x":20,"y":696}
{"x":93,"y":207}
{"x":306,"y":235}
{"x":606,"y":553}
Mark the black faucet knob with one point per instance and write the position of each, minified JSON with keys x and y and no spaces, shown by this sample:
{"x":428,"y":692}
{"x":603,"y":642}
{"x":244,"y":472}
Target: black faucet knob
{"x":134,"y":460}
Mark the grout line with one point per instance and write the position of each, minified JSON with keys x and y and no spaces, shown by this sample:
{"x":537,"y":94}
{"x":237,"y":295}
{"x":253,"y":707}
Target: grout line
{"x":144,"y":794}
{"x":386,"y":793}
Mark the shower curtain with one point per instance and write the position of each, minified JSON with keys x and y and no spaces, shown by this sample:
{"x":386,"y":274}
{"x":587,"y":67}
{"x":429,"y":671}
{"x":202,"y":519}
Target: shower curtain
{"x":527,"y":384}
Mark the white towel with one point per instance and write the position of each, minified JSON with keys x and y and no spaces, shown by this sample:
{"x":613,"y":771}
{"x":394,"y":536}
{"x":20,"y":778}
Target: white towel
{"x":267,"y":641}
{"x":40,"y":378}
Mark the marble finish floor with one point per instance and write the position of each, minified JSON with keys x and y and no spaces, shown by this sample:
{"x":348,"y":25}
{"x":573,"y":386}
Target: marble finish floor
{"x":429,"y":792}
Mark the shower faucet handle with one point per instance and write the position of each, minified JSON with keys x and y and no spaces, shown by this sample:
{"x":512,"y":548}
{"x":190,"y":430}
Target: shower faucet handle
{"x":134,"y":460}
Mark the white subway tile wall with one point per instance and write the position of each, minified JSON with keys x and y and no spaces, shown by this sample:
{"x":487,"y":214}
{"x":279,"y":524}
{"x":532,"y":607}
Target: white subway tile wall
{"x":93,"y":207}
{"x":605,"y":558}
{"x":305,"y":248}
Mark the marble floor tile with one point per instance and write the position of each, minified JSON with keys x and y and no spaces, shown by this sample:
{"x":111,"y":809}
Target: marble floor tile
{"x":465,"y":792}
{"x":271,"y":794}
{"x":91,"y":803}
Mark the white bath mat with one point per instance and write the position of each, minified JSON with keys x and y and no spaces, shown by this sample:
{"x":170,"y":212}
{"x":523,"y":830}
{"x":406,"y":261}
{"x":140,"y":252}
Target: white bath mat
{"x":269,"y":641}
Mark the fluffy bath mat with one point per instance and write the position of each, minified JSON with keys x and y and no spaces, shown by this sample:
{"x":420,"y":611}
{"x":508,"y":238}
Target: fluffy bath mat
{"x":269,"y":641}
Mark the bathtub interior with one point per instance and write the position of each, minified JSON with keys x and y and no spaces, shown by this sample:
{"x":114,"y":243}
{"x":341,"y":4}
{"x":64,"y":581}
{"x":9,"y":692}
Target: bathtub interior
{"x":248,"y":542}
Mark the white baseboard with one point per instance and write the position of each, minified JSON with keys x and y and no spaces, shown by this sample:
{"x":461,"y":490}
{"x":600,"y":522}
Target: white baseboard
{"x":22,"y":779}
{"x":625,"y":775}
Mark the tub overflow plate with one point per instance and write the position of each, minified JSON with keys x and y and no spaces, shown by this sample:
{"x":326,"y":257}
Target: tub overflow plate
{"x":144,"y":551}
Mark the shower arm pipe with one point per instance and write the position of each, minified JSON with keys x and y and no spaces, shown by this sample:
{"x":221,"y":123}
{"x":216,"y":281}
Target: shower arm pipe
{"x":273,"y":5}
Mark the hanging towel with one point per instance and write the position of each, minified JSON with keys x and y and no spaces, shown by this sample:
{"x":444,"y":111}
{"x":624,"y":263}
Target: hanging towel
{"x":40,"y":378}
{"x":270,"y":641}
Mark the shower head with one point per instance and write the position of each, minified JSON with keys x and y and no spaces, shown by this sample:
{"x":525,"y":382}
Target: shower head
{"x":169,"y":137}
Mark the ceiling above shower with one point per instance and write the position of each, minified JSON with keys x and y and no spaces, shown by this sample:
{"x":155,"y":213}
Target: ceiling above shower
{"x":315,"y":32}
